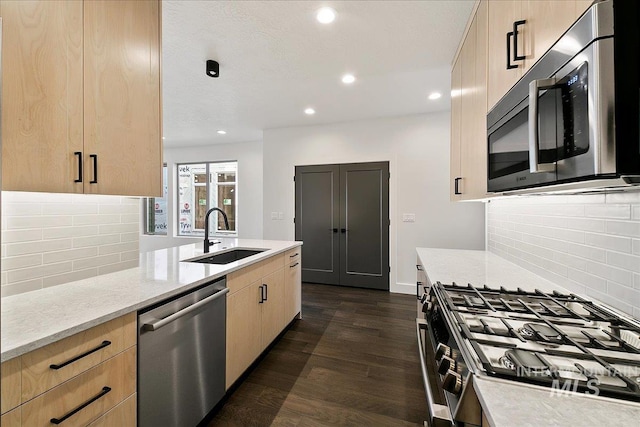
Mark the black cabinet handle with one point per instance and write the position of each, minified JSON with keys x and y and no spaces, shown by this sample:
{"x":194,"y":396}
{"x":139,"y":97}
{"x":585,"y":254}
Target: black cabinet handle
{"x":456,"y":189}
{"x":95,"y":168}
{"x":262,"y":299}
{"x":266,"y":292}
{"x":418,"y":267}
{"x":294,"y":255}
{"x":418,"y":289}
{"x":104,"y":391}
{"x":104,"y":344}
{"x":79,"y":154}
{"x":335,"y":230}
{"x":343,"y":230}
{"x":294,"y":265}
{"x":516,"y":24}
{"x":509,"y":64}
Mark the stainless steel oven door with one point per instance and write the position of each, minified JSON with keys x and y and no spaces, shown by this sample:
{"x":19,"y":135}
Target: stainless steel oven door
{"x":439,"y":412}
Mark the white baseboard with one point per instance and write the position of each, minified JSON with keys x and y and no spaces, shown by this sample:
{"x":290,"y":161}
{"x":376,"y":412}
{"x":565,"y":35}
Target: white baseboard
{"x":403,"y":288}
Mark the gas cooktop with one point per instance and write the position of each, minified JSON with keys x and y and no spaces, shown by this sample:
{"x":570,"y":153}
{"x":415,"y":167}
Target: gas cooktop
{"x":556,"y":340}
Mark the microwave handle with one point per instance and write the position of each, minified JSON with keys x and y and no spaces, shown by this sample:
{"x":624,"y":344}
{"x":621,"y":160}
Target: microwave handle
{"x":534,"y":140}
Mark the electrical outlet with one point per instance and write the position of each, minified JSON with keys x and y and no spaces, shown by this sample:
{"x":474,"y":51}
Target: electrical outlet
{"x":280,"y":215}
{"x":409,"y":217}
{"x":274,"y":215}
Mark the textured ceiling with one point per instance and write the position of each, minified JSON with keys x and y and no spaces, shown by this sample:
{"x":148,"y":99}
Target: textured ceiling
{"x":276,"y":60}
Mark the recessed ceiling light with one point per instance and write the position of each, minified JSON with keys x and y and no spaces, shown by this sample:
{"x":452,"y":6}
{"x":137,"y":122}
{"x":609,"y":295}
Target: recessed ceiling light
{"x":435,"y":95}
{"x":348,"y":79}
{"x":326,"y":15}
{"x":222,"y":132}
{"x":309,"y":111}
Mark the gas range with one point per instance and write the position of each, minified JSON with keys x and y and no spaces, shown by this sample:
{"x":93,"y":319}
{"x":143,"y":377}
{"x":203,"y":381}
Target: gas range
{"x":559,"y":341}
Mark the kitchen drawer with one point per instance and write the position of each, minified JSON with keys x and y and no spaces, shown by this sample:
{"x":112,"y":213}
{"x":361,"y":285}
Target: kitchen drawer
{"x":10,"y":395}
{"x":11,"y":418}
{"x":244,"y":277}
{"x":75,"y":354}
{"x":115,"y":379}
{"x":272,"y":264}
{"x":123,"y":415}
{"x":293,"y":255}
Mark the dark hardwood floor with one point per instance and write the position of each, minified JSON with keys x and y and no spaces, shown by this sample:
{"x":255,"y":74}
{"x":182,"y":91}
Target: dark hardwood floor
{"x":352,"y":360}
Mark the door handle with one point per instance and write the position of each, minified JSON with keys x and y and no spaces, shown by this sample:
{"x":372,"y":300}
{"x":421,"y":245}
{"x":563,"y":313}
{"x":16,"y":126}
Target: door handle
{"x":509,"y":64}
{"x":266,"y":292}
{"x":79,"y":154}
{"x":534,"y":138}
{"x":178,"y":314}
{"x":95,"y":168}
{"x":516,"y":24}
{"x":456,"y":189}
{"x":335,"y":230}
{"x":343,"y":230}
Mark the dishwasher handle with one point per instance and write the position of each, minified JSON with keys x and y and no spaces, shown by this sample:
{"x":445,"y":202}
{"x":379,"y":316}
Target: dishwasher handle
{"x":154,"y":326}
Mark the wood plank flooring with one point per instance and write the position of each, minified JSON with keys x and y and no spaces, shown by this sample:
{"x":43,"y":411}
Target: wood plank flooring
{"x":352,"y":360}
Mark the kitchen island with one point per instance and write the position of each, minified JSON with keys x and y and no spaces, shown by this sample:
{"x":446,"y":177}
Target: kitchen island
{"x":511,"y":403}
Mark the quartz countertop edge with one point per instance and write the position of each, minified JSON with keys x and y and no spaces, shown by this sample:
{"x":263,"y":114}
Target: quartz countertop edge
{"x":480,"y":267}
{"x":35,"y":319}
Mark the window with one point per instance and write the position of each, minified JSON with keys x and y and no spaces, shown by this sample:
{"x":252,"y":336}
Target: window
{"x":155,"y":210}
{"x":202,"y":186}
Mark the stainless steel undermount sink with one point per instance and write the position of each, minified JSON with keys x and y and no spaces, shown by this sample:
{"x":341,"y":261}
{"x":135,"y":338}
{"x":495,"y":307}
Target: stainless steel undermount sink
{"x":227,"y":257}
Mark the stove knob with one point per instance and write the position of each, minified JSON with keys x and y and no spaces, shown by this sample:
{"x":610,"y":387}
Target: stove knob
{"x":442,"y":350}
{"x":452,"y":382}
{"x":446,"y":364}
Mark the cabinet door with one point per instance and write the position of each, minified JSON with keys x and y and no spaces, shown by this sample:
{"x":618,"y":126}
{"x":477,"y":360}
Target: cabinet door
{"x":122,"y":97}
{"x":456,"y":94}
{"x":502,"y":15}
{"x":11,"y":384}
{"x":12,"y":418}
{"x":42,"y":92}
{"x":474,"y":109}
{"x":244,"y":334}
{"x":547,"y":20}
{"x":293,"y":290}
{"x":123,"y":415}
{"x":273,"y":319}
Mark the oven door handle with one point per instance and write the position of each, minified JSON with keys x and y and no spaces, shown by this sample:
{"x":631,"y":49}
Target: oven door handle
{"x":535,"y":86}
{"x":439,"y":415}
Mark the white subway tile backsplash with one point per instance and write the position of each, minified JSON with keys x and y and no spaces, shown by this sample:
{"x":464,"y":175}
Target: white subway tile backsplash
{"x":606,"y":241}
{"x":587,"y":243}
{"x":69,"y":255}
{"x":49,"y":239}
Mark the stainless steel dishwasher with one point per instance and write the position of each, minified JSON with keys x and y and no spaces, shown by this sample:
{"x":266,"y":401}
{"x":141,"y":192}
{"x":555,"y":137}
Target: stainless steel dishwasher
{"x":181,"y":357}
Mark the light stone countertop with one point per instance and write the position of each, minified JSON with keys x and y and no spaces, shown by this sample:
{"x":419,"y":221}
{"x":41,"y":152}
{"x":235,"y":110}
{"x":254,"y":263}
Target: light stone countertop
{"x":509,"y":403}
{"x":34,"y":319}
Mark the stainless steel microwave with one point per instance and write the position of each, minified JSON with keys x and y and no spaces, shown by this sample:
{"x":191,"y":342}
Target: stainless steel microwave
{"x":575,"y":115}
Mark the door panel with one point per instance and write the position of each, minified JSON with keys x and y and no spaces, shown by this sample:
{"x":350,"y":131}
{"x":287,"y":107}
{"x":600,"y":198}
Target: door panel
{"x":350,"y":197}
{"x":364,"y":217}
{"x":317,"y":215}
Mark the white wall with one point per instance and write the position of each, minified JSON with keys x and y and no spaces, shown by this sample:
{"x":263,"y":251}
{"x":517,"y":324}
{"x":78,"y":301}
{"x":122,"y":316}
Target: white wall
{"x":49,"y":239}
{"x":590,"y":244}
{"x":417,"y":148}
{"x":249,"y":187}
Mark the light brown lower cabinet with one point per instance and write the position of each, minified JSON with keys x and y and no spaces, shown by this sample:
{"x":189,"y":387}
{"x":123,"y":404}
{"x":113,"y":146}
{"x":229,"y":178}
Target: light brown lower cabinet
{"x":108,"y":383}
{"x":78,"y":380}
{"x":11,"y":419}
{"x":292,"y":288}
{"x":257,"y":312}
{"x":123,"y":415}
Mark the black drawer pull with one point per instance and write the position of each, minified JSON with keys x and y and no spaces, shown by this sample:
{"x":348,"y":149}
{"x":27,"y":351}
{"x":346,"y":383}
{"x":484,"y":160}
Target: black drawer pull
{"x":293,"y":265}
{"x":456,"y":189}
{"x":419,"y":267}
{"x":70,"y":361}
{"x":95,"y":168}
{"x":79,"y":154}
{"x":104,"y":391}
{"x":294,"y":255}
{"x":418,"y":284}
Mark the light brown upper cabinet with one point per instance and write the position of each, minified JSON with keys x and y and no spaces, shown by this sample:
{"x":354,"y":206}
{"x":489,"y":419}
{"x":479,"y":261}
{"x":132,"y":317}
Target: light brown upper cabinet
{"x":81,"y":90}
{"x":468,"y":113}
{"x":520,"y":32}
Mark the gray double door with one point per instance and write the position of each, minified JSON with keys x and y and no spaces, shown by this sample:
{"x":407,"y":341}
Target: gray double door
{"x":342,"y":216}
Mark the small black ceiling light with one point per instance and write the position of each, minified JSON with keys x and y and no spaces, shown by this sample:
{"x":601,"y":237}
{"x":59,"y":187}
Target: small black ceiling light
{"x":213,"y":68}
